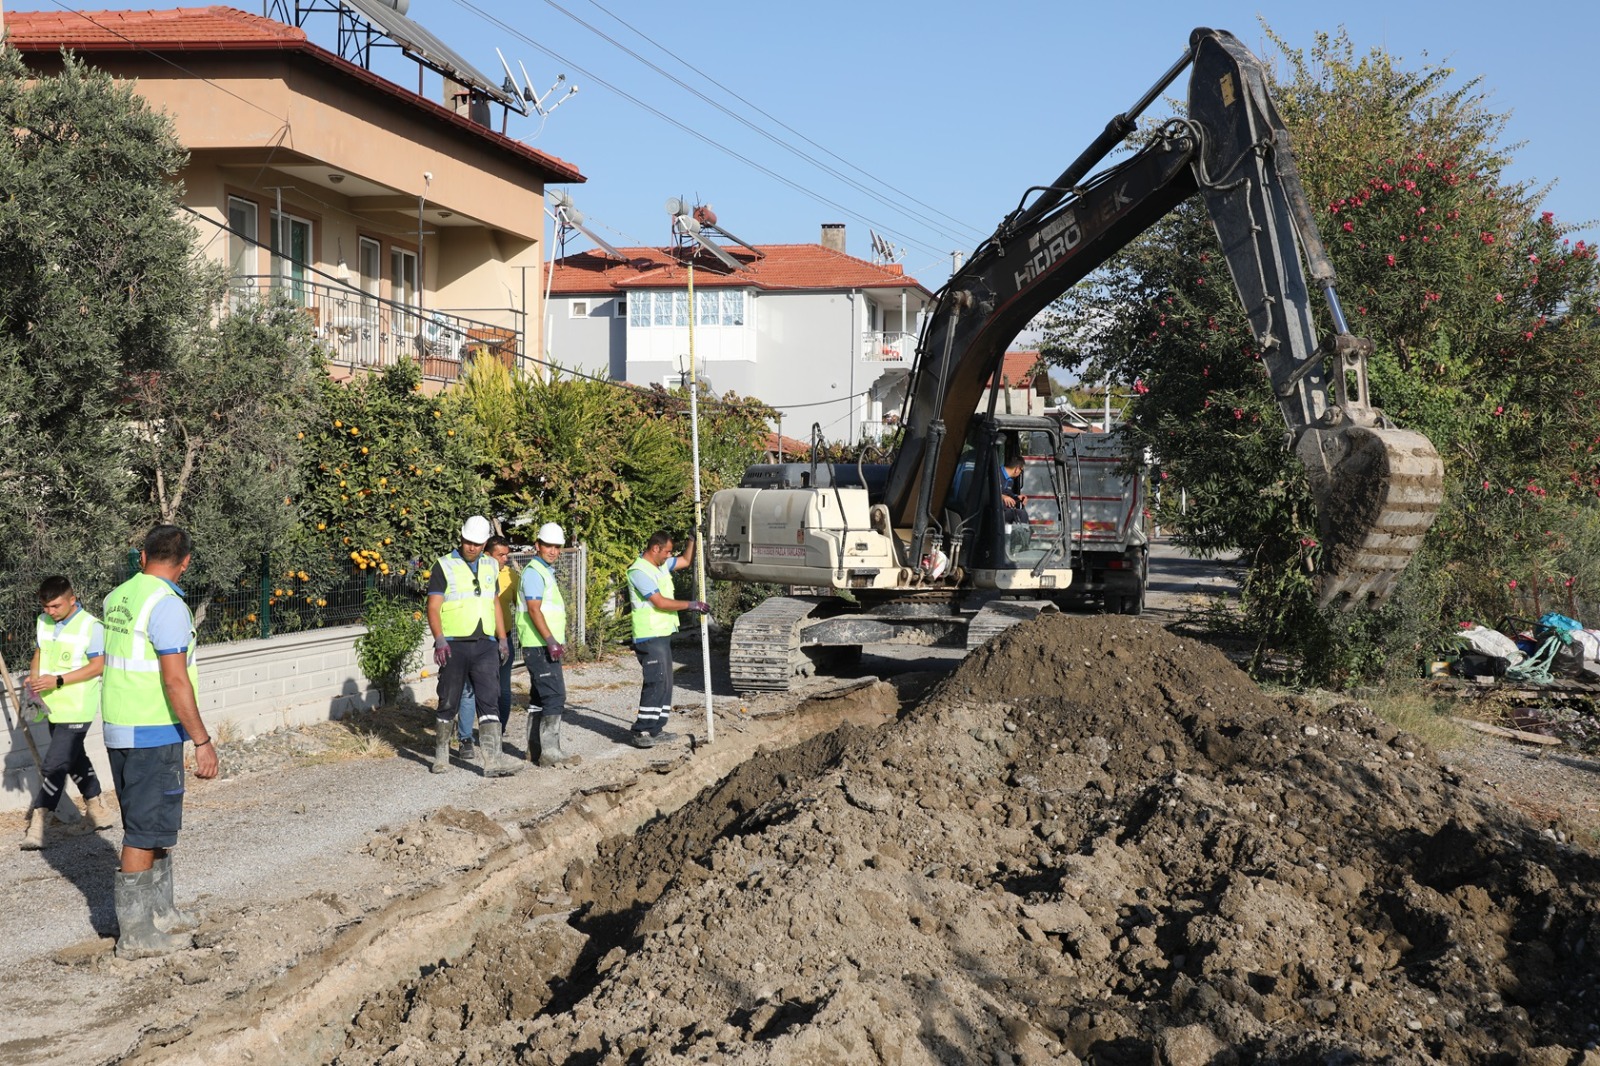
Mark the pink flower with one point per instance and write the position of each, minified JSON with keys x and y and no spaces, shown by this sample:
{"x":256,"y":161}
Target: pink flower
{"x":1485,"y":484}
{"x":1140,"y":387}
{"x":1389,"y":259}
{"x":1487,"y":238}
{"x":1533,"y":259}
{"x":1512,"y":583}
{"x":1238,"y":412}
{"x":1499,"y":299}
{"x":1349,"y":227}
{"x":1499,"y":410}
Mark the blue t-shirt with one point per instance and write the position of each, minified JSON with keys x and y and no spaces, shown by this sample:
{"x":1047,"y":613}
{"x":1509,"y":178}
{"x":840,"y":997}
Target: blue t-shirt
{"x":533,"y":582}
{"x":645,"y":584}
{"x":171,"y":625}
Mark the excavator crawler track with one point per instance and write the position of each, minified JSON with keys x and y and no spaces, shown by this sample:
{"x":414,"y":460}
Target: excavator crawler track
{"x":764,"y":654}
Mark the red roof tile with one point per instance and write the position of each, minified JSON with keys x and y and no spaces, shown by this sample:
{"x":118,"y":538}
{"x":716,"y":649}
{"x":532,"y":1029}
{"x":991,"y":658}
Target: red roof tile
{"x":1018,"y":369}
{"x":227,"y":29}
{"x":782,"y":266}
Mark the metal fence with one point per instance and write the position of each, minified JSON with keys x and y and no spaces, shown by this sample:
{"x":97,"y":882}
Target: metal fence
{"x":276,"y":600}
{"x":361,"y":331}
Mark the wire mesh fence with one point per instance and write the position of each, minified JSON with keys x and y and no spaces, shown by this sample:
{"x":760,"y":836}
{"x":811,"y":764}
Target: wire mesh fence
{"x":275,"y":600}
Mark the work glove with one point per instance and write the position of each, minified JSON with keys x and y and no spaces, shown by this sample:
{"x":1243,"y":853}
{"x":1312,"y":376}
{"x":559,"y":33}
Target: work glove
{"x":441,"y":651}
{"x":505,"y":649}
{"x":699,"y":605}
{"x":557,"y":650}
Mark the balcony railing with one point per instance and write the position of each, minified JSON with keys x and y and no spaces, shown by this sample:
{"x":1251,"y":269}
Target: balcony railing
{"x":888,"y":346}
{"x":365,"y":333}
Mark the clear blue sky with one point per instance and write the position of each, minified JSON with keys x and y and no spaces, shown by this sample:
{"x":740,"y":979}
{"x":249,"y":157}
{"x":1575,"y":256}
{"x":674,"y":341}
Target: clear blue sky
{"x":935,"y":117}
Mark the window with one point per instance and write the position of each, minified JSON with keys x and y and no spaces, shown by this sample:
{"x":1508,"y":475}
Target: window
{"x":622,"y":307}
{"x":578,"y":309}
{"x":711,"y":308}
{"x":289,"y":267}
{"x":369,"y":267}
{"x":243,"y":237}
{"x":403,"y":277}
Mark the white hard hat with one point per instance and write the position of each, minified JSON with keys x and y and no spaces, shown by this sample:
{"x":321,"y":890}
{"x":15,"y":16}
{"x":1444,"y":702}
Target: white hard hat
{"x":550,"y":533}
{"x":476,"y":530}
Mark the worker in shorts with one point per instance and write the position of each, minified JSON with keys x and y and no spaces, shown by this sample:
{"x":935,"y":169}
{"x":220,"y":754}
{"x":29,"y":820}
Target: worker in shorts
{"x":150,"y":707}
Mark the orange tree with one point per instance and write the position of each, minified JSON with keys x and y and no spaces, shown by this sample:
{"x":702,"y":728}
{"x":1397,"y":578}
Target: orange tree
{"x":610,"y":462}
{"x":1483,"y":316}
{"x":389,"y":476}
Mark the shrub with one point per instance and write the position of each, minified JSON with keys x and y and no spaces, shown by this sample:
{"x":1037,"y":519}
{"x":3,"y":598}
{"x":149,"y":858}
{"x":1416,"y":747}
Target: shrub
{"x":390,"y":646}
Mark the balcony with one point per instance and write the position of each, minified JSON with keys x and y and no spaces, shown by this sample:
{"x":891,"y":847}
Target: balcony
{"x":888,"y":346}
{"x":363,"y":332}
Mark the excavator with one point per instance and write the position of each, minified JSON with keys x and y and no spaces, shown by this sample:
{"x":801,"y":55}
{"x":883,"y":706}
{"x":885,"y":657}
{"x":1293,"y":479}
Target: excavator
{"x":928,"y":552}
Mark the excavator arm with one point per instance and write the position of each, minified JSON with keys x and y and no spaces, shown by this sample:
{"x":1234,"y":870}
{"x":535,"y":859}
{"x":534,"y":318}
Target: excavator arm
{"x":1377,"y":487}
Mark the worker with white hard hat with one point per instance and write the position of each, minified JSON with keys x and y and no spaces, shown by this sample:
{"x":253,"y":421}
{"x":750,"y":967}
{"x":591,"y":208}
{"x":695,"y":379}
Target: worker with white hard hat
{"x":542,"y":631}
{"x":469,"y":642}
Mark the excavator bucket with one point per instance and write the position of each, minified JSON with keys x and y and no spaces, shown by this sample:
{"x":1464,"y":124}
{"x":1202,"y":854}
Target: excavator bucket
{"x":1377,"y":492}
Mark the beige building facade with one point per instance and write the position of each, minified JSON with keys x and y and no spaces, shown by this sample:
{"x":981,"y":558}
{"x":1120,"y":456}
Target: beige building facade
{"x":406,"y":229}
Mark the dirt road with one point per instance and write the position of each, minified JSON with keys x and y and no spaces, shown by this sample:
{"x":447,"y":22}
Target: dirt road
{"x":1093,"y":841}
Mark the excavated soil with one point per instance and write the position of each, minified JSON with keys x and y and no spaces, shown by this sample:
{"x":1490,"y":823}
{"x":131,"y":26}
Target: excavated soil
{"x":1094,"y":841}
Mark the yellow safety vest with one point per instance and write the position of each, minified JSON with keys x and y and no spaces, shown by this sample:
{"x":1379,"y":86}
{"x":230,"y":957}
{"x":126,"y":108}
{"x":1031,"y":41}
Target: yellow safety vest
{"x":134,"y":703}
{"x":468,"y":601}
{"x":62,"y":653}
{"x":648,"y":620}
{"x":553,"y":606}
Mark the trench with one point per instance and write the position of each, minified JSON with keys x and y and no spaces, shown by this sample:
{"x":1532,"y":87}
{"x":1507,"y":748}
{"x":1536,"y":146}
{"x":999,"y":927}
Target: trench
{"x":534,"y":926}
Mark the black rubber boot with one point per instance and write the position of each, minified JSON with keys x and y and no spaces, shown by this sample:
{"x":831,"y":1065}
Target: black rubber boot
{"x":137,"y":935}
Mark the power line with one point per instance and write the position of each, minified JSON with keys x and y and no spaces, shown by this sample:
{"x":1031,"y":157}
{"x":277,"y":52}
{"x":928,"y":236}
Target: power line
{"x":697,"y":135}
{"x":757,"y":129}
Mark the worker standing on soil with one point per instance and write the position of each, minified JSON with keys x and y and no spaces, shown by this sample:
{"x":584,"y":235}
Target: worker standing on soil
{"x":150,"y":706}
{"x":67,"y":664}
{"x":498,"y":549}
{"x":469,"y":642}
{"x":542,"y":630}
{"x":655,"y":619}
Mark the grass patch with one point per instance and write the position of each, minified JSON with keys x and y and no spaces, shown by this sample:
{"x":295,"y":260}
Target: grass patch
{"x":1422,"y":715}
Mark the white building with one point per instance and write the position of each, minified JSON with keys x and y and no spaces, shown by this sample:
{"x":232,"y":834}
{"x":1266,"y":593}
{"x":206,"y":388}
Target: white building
{"x":825,"y":337}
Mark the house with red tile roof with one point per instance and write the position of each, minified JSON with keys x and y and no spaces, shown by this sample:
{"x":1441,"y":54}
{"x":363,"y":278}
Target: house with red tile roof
{"x":1024,"y":383}
{"x":820,"y":334}
{"x":386,"y":214}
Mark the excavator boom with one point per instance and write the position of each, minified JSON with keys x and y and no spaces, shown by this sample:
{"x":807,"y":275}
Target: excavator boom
{"x":1377,"y":487}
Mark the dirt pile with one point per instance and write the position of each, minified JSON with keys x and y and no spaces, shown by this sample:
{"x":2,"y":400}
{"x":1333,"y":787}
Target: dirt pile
{"x":1094,"y":841}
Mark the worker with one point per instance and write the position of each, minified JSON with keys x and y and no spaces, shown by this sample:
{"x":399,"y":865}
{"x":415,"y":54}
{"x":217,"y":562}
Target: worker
{"x":498,"y":549}
{"x":150,"y":707}
{"x":655,"y":619}
{"x":65,"y":675}
{"x":469,"y":642}
{"x":542,"y":631}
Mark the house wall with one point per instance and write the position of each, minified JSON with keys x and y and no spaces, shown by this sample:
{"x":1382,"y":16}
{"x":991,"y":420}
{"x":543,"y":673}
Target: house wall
{"x":246,"y":689}
{"x":592,"y":343}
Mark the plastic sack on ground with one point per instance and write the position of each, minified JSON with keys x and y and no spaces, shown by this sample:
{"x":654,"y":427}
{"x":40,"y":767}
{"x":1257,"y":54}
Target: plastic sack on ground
{"x":1492,"y":643}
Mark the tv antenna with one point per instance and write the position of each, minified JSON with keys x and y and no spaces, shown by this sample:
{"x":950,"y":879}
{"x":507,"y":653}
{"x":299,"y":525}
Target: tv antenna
{"x":882,"y":250}
{"x":526,"y":93}
{"x":567,"y":217}
{"x":685,"y":224}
